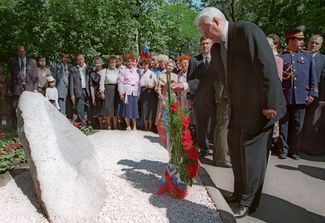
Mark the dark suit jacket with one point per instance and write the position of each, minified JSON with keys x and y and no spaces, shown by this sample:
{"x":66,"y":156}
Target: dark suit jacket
{"x":252,"y":82}
{"x":199,"y":81}
{"x":15,"y":78}
{"x":75,"y":82}
{"x":320,"y":73}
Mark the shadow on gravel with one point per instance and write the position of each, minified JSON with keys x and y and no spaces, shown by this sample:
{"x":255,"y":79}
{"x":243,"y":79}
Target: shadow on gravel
{"x":154,"y":139}
{"x":143,"y":175}
{"x":312,"y":171}
{"x":24,"y":181}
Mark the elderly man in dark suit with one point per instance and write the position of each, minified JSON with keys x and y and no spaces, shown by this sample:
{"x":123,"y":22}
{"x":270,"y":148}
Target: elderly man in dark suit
{"x":79,"y":86}
{"x":22,"y":76}
{"x":245,"y":63}
{"x":314,"y":126}
{"x":61,"y":72}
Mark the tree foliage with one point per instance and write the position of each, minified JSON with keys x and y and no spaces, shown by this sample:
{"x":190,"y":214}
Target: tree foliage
{"x":95,"y":27}
{"x":276,"y":16}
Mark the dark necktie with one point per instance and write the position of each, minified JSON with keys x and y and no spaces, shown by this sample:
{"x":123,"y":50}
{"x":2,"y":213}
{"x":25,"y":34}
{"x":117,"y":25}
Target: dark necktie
{"x":224,"y":59}
{"x":21,"y":64}
{"x":206,"y":63}
{"x":224,"y":55}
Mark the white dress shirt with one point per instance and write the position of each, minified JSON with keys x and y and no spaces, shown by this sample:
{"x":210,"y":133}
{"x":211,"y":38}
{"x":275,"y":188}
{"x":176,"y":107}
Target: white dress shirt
{"x":82,"y":72}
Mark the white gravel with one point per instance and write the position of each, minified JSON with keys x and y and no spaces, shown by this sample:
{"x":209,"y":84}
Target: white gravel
{"x":132,"y":163}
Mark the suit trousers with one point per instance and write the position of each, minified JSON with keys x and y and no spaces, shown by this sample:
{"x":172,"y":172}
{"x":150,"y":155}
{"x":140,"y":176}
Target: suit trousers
{"x":311,"y":142}
{"x":291,"y":128}
{"x":220,"y":145}
{"x":80,"y":106}
{"x":249,"y":156}
{"x":202,"y":123}
{"x":63,"y":105}
{"x":66,"y":106}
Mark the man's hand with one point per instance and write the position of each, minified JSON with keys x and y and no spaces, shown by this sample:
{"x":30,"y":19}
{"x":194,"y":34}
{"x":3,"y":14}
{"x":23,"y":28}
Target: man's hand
{"x":189,"y":104}
{"x":309,"y":100}
{"x":177,"y":87}
{"x":73,"y":99}
{"x":269,"y":113}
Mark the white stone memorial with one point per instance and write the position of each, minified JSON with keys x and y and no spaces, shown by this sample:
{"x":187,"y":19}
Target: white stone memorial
{"x":66,"y":176}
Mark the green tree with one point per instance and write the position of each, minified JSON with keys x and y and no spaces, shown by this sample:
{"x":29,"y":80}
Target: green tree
{"x":275,"y":16}
{"x":95,"y":27}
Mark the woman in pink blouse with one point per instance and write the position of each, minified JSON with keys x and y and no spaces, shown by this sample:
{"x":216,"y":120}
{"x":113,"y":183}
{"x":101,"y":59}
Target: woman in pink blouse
{"x":278,"y":60}
{"x":129,"y":92}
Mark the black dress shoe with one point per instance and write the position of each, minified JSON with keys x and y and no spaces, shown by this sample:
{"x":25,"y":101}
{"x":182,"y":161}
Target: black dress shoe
{"x":203,"y":154}
{"x":232,"y":199}
{"x":224,"y":165}
{"x":240,"y":211}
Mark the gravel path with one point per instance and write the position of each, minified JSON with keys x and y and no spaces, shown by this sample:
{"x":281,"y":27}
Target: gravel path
{"x":132,"y":163}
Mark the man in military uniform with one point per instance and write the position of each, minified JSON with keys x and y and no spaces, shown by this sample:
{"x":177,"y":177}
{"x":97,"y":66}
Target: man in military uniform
{"x":299,"y":85}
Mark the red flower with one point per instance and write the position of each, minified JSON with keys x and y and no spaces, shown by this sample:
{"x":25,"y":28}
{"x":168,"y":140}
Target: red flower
{"x":2,"y":134}
{"x":15,"y":145}
{"x":1,"y":153}
{"x":77,"y":124}
{"x":186,"y":135}
{"x":193,"y":169}
{"x":185,"y":121}
{"x":186,"y":144}
{"x":8,"y":148}
{"x":174,"y":106}
{"x":192,"y":153}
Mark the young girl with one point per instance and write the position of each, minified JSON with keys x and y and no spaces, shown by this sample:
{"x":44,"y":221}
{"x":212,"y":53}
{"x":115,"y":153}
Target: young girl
{"x":51,"y":92}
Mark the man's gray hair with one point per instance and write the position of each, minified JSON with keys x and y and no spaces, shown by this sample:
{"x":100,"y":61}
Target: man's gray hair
{"x":207,"y":14}
{"x":316,"y":36}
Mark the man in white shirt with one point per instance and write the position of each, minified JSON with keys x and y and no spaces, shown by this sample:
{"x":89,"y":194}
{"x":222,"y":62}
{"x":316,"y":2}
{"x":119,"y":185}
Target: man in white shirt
{"x":79,"y":86}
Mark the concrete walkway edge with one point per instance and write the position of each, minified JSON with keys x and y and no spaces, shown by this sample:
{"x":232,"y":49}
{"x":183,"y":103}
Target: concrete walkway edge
{"x":220,"y":203}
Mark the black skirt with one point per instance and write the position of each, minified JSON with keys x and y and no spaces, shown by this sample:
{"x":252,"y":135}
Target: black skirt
{"x":149,"y":100}
{"x":110,"y":103}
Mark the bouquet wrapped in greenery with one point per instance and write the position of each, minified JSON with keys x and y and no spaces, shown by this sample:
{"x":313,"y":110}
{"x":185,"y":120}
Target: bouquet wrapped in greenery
{"x":184,"y":159}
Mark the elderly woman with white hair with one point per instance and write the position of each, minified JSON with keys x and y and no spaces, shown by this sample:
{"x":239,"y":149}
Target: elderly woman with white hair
{"x":162,"y":60}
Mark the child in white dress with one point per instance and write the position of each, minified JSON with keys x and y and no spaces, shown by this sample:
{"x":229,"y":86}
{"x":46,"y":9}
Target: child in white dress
{"x":51,"y":92}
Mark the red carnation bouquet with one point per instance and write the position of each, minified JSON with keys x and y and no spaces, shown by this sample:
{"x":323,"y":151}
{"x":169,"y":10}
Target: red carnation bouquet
{"x":184,"y":159}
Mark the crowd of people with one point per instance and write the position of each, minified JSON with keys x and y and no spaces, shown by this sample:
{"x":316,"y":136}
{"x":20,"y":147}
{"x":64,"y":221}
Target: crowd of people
{"x":244,"y":93}
{"x":124,"y":92}
{"x":133,"y":89}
